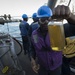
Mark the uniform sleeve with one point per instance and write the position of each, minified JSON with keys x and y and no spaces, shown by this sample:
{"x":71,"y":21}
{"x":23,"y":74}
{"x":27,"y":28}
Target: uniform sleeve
{"x":32,"y":50}
{"x":27,"y":26}
{"x":20,"y":26}
{"x":30,"y":31}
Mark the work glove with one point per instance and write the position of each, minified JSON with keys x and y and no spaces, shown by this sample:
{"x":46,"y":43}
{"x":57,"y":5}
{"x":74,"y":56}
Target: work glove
{"x":69,"y":49}
{"x":35,"y":66}
{"x":61,"y":12}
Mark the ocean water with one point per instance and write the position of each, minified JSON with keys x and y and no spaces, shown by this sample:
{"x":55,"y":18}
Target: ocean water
{"x":12,"y":29}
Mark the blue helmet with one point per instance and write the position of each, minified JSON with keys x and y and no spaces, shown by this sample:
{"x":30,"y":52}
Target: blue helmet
{"x":24,"y":16}
{"x":44,"y":11}
{"x":34,"y":15}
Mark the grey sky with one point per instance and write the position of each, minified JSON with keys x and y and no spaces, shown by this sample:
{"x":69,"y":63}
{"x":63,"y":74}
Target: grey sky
{"x":18,"y":7}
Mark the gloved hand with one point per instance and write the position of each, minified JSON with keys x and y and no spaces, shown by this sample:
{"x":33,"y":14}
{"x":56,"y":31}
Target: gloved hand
{"x":35,"y":66}
{"x":61,"y":12}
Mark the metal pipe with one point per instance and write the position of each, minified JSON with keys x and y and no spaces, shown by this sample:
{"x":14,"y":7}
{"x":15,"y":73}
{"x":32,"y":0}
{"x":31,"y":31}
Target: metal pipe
{"x":52,"y":3}
{"x":69,"y":2}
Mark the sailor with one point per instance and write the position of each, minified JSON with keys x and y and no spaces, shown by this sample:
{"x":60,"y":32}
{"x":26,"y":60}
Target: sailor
{"x":44,"y":60}
{"x":34,"y":25}
{"x":50,"y":62}
{"x":64,"y":12}
{"x":24,"y":27}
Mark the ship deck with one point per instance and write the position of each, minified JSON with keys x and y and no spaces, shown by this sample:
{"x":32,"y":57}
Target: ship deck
{"x":25,"y":63}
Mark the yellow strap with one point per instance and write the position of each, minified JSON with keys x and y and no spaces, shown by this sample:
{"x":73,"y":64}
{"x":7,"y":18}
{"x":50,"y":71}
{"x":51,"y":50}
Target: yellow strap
{"x":69,"y":49}
{"x":5,"y":69}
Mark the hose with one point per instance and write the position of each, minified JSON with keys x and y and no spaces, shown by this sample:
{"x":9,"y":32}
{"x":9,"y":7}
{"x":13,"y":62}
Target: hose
{"x":19,"y":45}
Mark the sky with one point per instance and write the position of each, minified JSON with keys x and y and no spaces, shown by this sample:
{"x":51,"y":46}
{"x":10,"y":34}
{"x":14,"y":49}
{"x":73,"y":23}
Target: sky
{"x":19,"y":7}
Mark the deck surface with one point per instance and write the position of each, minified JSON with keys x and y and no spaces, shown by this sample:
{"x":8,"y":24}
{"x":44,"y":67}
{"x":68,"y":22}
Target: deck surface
{"x":25,"y":63}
